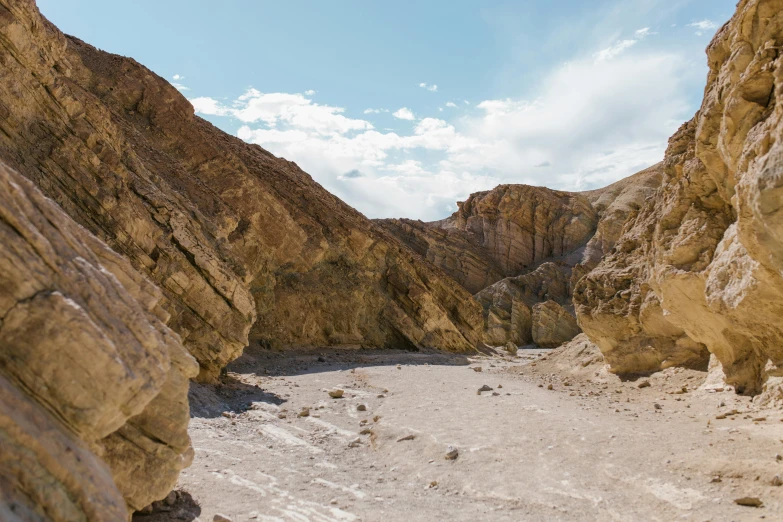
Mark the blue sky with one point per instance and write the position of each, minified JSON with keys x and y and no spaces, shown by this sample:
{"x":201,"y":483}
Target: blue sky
{"x":403,"y":108}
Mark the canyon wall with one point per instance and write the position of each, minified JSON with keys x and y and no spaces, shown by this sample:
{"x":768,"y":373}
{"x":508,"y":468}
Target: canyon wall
{"x":698,"y":269}
{"x":245,"y":246}
{"x":93,"y":384}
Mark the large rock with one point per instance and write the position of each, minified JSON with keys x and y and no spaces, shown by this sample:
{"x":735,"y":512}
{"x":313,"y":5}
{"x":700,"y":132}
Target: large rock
{"x":93,"y":385}
{"x":504,"y":232}
{"x":508,"y":304}
{"x":245,"y":246}
{"x":699,"y":268}
{"x":552,"y":325}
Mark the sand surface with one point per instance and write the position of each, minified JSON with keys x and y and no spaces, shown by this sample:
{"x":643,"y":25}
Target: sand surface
{"x":591,"y":448}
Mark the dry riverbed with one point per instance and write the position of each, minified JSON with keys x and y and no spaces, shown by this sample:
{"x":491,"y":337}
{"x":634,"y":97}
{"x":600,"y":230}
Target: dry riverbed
{"x":543,"y":443}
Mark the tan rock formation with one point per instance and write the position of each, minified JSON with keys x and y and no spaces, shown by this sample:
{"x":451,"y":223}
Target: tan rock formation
{"x":508,"y":304}
{"x":552,"y":325}
{"x":87,"y":370}
{"x":504,"y":232}
{"x":454,"y":251}
{"x":228,"y":231}
{"x":700,"y":266}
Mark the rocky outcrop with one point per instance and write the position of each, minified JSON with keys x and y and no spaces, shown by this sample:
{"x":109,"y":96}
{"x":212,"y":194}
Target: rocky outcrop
{"x":245,"y":246}
{"x":512,"y":230}
{"x":454,"y":251}
{"x":508,"y":304}
{"x":552,"y":325}
{"x":93,"y":385}
{"x":699,"y":267}
{"x":504,"y":232}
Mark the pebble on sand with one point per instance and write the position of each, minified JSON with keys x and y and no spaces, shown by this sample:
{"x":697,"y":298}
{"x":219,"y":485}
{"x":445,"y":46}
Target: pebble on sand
{"x":483,"y":389}
{"x":361,"y":407}
{"x":337,"y":393}
{"x":749,"y":501}
{"x":452,"y":453}
{"x":220,"y":518}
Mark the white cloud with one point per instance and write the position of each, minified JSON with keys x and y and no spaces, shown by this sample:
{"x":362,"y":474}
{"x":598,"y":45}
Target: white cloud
{"x":375,"y":111}
{"x":704,"y":25}
{"x":451,"y":104}
{"x":309,"y":92}
{"x":614,"y":50}
{"x":404,"y":114}
{"x":589,"y":125}
{"x":180,"y":87}
{"x":431,"y":88}
{"x":643,"y":33}
{"x":178,"y":77}
{"x":291,"y":109}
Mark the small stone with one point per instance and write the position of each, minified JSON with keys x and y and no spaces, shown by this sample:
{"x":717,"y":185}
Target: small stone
{"x":500,"y":385}
{"x":477,"y":369}
{"x":337,"y":393}
{"x":759,"y":419}
{"x":777,"y":481}
{"x":361,"y":407}
{"x":366,"y":431}
{"x":716,"y":479}
{"x":355,"y":442}
{"x":452,"y":453}
{"x":399,"y":367}
{"x":495,"y":394}
{"x":657,"y":406}
{"x":220,"y":518}
{"x":483,"y":389}
{"x":145,"y":510}
{"x":304,"y":413}
{"x":749,"y":501}
{"x":333,"y":501}
{"x":644,"y":384}
{"x":321,"y":359}
{"x":433,"y":484}
{"x":550,"y":387}
{"x":406,"y":437}
{"x":171,"y":498}
{"x":720,"y":417}
{"x":511,"y":348}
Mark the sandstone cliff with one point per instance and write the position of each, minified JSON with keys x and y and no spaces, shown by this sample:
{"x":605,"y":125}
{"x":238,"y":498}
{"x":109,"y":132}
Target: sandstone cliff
{"x":243,"y":244}
{"x":93,"y":385}
{"x":699,"y":267}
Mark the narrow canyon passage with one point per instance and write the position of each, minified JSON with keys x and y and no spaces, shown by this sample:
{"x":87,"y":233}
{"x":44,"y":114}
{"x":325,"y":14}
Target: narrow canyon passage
{"x":590,"y":448}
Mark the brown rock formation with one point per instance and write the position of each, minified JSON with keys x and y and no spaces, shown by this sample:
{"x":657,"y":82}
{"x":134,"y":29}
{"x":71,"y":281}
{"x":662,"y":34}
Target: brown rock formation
{"x":700,"y":266}
{"x":503,"y":232}
{"x":87,"y":370}
{"x":508,"y":304}
{"x":229,"y":232}
{"x":552,"y":325}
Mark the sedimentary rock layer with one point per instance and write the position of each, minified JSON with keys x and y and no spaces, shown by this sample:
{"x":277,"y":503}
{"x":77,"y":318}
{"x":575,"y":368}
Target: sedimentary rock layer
{"x":235,"y":237}
{"x":93,"y":385}
{"x":699,"y":267}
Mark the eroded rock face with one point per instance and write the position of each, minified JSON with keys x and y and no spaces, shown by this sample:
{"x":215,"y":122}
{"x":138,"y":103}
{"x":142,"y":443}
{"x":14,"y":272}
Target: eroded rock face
{"x":89,"y":373}
{"x":552,"y":325}
{"x":508,"y":304}
{"x":522,"y":226}
{"x":245,"y":246}
{"x":699,"y":268}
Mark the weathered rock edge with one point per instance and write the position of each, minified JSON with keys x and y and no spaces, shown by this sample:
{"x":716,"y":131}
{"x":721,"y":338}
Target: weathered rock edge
{"x":699,"y":268}
{"x":93,"y":385}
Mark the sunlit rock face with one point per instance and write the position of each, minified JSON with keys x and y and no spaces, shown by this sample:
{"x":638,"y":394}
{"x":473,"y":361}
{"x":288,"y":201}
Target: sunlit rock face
{"x":699,"y":269}
{"x":93,"y":385}
{"x":246,"y":247}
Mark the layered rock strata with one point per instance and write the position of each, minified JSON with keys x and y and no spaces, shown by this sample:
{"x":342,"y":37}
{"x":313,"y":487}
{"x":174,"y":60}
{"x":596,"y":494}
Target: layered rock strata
{"x":699,"y":267}
{"x":245,"y":246}
{"x":93,"y":385}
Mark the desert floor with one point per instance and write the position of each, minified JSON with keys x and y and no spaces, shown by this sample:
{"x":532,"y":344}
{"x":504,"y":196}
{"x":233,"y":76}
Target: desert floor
{"x":590,"y":448}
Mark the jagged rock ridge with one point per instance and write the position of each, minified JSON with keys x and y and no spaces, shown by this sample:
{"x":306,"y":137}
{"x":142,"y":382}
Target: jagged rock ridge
{"x":699,"y":268}
{"x":243,"y":244}
{"x":93,"y":385}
